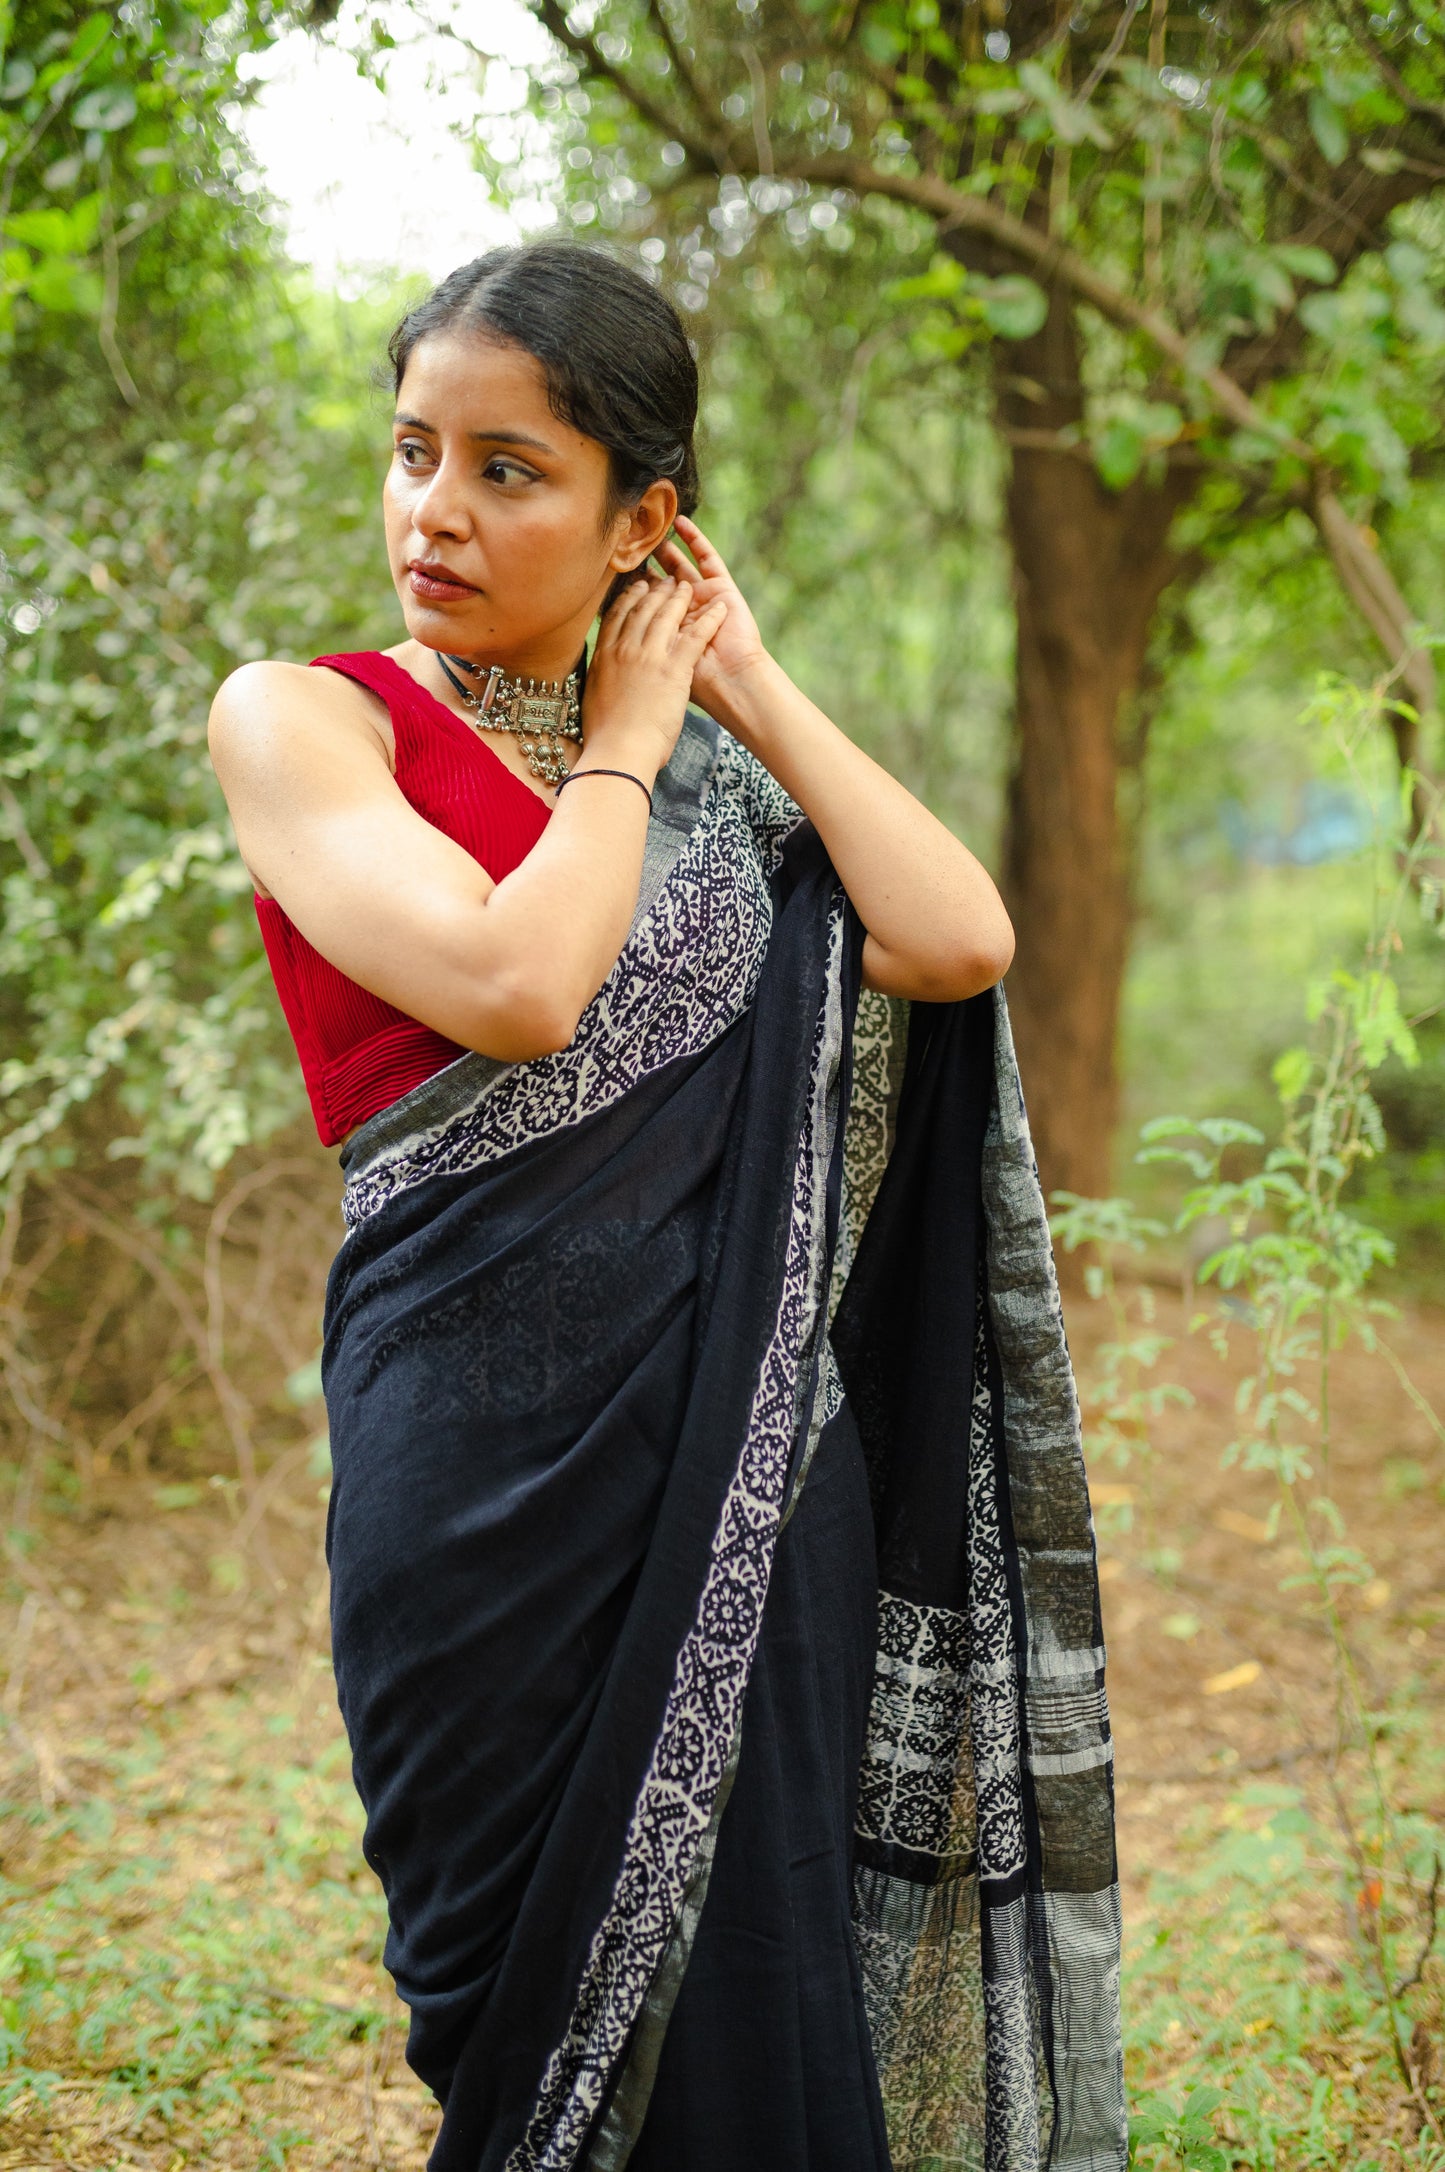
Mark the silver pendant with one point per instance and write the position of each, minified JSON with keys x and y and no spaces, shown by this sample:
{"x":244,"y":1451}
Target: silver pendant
{"x":540,"y":713}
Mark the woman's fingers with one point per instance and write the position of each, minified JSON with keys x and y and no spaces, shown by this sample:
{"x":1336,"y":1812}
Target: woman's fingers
{"x":622,"y":609}
{"x":708,"y":557}
{"x":655,"y":598}
{"x":698,"y":629}
{"x":679,"y":565}
{"x":669,"y":605}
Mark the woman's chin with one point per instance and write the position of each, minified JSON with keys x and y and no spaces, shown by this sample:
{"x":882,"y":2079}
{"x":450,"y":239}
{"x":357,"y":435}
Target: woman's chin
{"x":443,"y":627}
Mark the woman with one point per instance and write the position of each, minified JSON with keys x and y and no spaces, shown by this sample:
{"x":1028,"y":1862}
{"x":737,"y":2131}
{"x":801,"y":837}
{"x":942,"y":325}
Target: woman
{"x":659,"y":1038}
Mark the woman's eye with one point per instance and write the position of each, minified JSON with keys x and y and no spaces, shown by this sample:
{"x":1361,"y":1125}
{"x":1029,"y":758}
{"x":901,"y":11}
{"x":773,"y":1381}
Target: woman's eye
{"x":507,"y":471}
{"x":411,"y":452}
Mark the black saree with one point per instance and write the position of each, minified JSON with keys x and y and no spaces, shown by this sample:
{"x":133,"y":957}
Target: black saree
{"x":679,"y":1871}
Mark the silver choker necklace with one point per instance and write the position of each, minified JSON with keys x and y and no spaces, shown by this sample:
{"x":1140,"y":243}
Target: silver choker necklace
{"x":541,"y":712}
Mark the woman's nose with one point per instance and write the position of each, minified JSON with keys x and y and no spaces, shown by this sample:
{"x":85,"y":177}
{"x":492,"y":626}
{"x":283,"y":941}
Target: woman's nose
{"x":441,"y":508}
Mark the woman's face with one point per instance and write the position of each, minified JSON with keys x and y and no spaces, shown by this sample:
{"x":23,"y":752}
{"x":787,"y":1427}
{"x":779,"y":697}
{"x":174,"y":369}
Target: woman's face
{"x":497,"y":528}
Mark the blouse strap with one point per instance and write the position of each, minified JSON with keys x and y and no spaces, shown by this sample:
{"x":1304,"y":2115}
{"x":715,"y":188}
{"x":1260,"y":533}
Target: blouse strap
{"x":384,"y":676}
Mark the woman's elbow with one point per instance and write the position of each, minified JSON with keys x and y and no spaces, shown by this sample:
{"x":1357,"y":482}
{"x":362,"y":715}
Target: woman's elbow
{"x":938,"y":976}
{"x":975,"y":961}
{"x":993,"y":958}
{"x":518,"y":1022}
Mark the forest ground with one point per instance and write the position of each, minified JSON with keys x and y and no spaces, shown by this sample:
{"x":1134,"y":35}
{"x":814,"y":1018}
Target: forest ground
{"x":190,"y":1970}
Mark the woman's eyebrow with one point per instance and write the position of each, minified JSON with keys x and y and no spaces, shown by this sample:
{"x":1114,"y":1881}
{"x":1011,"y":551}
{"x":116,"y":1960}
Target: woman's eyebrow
{"x":478,"y":437}
{"x":511,"y":437}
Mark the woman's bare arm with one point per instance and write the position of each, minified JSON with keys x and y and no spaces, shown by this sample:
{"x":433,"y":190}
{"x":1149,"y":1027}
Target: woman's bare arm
{"x":937,"y":929}
{"x":506,"y":968}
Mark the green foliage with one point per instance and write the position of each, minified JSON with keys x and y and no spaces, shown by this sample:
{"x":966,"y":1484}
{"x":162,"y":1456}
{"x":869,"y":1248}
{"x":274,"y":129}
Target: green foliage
{"x":113,"y":136}
{"x":130,"y":962}
{"x":1179,"y":2134}
{"x":176,"y":1998}
{"x":1268,"y":2005}
{"x":180,"y":490}
{"x":1240,"y":174}
{"x":1294,"y":1265}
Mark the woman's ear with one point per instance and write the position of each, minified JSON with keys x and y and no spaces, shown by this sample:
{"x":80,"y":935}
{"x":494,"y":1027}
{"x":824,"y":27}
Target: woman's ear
{"x":643,"y":526}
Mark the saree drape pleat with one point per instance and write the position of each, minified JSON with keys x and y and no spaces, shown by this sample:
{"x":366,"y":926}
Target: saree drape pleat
{"x":578,"y":1372}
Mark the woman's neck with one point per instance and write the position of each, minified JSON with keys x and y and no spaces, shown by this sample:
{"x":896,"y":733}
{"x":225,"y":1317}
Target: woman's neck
{"x":549,"y":664}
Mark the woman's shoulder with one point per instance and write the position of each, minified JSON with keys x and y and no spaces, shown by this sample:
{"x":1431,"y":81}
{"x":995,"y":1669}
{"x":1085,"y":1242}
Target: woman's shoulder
{"x":269,"y":703}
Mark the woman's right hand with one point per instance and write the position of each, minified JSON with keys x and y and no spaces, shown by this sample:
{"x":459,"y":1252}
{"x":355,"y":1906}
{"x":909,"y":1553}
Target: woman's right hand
{"x":641,"y":671}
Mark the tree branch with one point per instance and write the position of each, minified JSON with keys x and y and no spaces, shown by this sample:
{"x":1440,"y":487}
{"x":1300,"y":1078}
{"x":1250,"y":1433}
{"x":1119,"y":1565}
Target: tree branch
{"x":1284,"y":166}
{"x":1110,"y":53}
{"x":1363,"y":574}
{"x":1427,"y":108}
{"x":1370,"y":586}
{"x":1053,"y":262}
{"x":681,"y":66}
{"x":701,"y":150}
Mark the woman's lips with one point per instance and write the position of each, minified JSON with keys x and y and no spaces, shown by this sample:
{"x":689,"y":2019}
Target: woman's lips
{"x":436,"y":585}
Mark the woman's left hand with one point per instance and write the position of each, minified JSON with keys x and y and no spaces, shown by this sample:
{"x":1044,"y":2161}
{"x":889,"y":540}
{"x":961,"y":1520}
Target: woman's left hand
{"x":937,"y":930}
{"x":737,"y":646}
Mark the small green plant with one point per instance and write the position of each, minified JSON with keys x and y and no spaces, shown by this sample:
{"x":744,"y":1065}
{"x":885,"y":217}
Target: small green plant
{"x":1179,"y":2134}
{"x":1122,"y":1399}
{"x":1294,"y":1267}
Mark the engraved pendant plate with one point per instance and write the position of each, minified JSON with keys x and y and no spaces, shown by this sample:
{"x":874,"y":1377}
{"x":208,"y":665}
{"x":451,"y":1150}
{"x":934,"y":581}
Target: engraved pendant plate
{"x":539,"y":712}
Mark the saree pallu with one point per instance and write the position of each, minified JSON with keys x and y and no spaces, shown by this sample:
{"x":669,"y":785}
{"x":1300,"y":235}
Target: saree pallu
{"x":599,"y":1322}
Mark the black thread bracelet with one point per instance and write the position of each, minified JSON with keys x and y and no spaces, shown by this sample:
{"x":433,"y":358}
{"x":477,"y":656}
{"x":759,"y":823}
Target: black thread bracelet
{"x":573,"y":774}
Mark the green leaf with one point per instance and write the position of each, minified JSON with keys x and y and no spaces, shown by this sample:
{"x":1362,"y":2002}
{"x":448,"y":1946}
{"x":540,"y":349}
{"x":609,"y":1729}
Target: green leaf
{"x":56,"y":232}
{"x":67,"y":287}
{"x":89,"y":39}
{"x":880,"y":43}
{"x":304,"y":1385}
{"x":1323,"y":314}
{"x":1119,"y":453}
{"x":1307,"y":262}
{"x":944,"y":279}
{"x":47,"y":230}
{"x":1291,"y":1074}
{"x":168,"y":1497}
{"x":1168,"y":1127}
{"x":1407,"y":264}
{"x":1013,"y":307}
{"x":1230,"y":1131}
{"x":109,"y":108}
{"x":1380,"y":1023}
{"x":1071,"y":122}
{"x":1327,"y":126}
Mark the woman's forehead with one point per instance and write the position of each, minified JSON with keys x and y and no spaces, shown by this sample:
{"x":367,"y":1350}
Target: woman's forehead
{"x":467,"y":381}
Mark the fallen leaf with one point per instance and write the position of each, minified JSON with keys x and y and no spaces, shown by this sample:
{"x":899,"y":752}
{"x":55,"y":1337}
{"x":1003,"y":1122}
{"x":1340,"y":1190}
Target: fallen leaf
{"x":1238,"y":1525}
{"x":1240,"y":1677}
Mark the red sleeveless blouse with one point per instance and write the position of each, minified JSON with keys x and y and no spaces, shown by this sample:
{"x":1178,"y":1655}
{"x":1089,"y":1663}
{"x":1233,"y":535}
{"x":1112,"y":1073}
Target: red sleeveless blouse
{"x":358,"y":1054}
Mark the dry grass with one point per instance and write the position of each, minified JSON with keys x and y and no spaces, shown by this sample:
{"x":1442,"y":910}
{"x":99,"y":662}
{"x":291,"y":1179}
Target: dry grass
{"x":191,"y":1972}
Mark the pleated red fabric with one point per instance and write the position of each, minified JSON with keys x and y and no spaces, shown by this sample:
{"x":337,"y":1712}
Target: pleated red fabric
{"x":357,"y":1053}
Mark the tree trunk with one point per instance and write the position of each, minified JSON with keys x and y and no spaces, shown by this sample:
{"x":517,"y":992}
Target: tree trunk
{"x":1090,"y":566}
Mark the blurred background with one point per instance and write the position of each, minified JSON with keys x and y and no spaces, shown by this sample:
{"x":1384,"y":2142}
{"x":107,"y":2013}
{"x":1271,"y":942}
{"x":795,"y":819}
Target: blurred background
{"x":1074,"y":421}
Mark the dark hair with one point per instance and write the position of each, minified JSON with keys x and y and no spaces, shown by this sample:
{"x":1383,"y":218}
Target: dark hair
{"x":612,"y":347}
